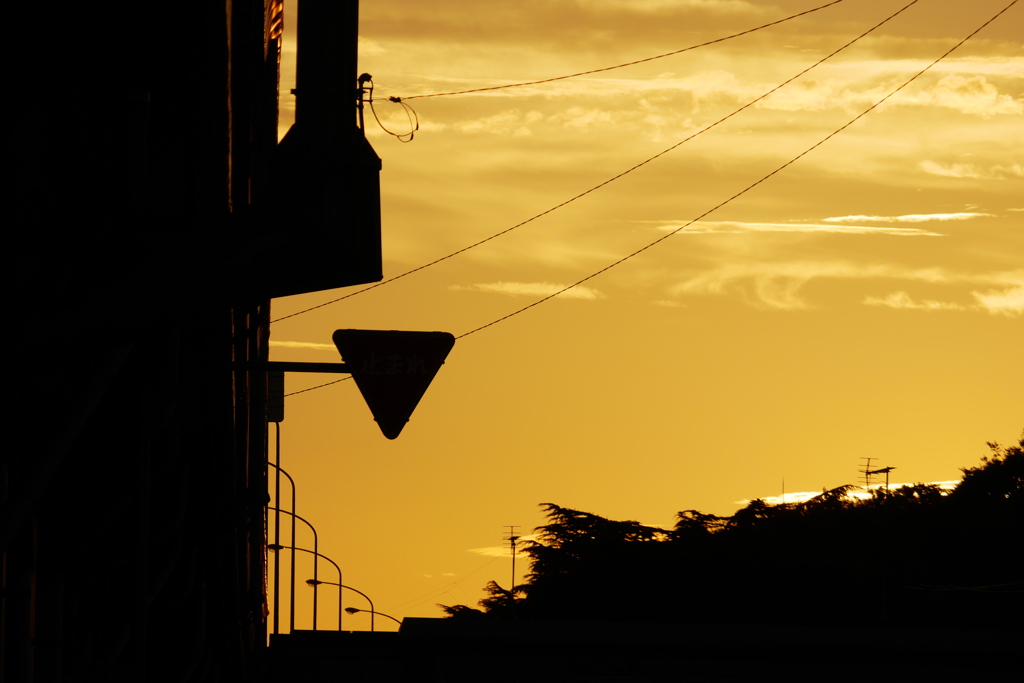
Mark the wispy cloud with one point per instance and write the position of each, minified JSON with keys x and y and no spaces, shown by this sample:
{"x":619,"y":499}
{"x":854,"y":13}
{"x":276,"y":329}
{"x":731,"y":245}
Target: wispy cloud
{"x":969,"y":95}
{"x":660,"y":6}
{"x":902,"y":300}
{"x":531,"y":289}
{"x":493,"y":551}
{"x":961,"y":170}
{"x":778,"y":285}
{"x":500,"y":550}
{"x":509,"y":122}
{"x":907,"y":218}
{"x":303,"y":345}
{"x":1009,"y":302}
{"x":706,"y":227}
{"x":804,"y":496}
{"x":854,"y":84}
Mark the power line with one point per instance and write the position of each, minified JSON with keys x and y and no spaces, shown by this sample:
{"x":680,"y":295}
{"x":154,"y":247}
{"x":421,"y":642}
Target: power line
{"x":319,"y":386}
{"x":721,"y":204}
{"x":749,"y":187}
{"x":410,"y":113}
{"x":617,"y":66}
{"x":714,"y":208}
{"x":606,"y":182}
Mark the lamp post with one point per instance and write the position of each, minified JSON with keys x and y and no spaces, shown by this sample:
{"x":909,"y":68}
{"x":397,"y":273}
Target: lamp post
{"x":316,"y":556}
{"x":313,"y":583}
{"x":356,"y":610}
{"x":277,"y":542}
{"x":310,"y":582}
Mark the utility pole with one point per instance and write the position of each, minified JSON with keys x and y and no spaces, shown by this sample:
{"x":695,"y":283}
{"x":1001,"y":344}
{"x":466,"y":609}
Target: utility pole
{"x":512,"y":538}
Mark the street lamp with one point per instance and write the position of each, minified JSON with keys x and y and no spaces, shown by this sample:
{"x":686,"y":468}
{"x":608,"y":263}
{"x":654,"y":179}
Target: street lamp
{"x":356,"y":610}
{"x":313,"y":582}
{"x":316,"y":556}
{"x":277,"y":542}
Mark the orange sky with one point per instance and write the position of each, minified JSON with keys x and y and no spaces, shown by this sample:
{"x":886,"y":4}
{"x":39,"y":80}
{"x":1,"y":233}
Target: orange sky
{"x":865,"y":301}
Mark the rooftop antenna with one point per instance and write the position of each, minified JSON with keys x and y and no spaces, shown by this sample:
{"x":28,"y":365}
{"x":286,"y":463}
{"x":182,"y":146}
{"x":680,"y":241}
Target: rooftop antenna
{"x":865,"y":474}
{"x":885,"y":471}
{"x":512,"y":538}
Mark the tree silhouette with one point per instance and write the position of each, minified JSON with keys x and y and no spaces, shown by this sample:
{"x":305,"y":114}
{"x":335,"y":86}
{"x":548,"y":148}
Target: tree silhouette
{"x":909,"y":556}
{"x":499,"y":603}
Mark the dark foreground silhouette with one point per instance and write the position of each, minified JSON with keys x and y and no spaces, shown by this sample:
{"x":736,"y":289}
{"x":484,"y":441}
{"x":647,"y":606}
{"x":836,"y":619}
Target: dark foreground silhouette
{"x":914,"y":556}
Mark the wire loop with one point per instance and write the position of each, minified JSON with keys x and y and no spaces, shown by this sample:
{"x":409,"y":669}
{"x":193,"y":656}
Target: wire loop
{"x":410,"y":113}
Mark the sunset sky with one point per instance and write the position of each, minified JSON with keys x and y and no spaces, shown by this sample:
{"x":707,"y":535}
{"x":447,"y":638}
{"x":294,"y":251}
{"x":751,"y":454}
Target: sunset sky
{"x":865,"y":301}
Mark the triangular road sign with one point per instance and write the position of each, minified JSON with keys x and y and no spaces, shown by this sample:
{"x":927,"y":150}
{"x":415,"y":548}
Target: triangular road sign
{"x":393,"y":370}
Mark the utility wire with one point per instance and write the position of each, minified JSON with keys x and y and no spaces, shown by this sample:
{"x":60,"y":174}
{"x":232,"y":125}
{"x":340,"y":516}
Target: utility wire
{"x":410,"y":113}
{"x":730,"y":199}
{"x":617,"y":66}
{"x":749,"y":187}
{"x":318,"y":386}
{"x":606,"y":182}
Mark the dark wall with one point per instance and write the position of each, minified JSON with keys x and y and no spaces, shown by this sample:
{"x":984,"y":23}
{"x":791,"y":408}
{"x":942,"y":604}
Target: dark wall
{"x":133,"y":493}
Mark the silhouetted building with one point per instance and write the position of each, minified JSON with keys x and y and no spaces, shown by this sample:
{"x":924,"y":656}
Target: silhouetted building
{"x":150,"y":233}
{"x":513,"y":651}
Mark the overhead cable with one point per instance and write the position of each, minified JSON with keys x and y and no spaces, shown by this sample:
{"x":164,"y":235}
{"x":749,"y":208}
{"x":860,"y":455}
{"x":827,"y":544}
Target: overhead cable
{"x":618,"y":66}
{"x":410,"y":113}
{"x":744,"y":190}
{"x":730,"y":199}
{"x":604,"y":183}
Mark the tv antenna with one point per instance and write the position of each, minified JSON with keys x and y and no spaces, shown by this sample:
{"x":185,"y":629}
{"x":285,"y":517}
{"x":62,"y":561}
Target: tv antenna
{"x":512,"y":537}
{"x":867,"y":473}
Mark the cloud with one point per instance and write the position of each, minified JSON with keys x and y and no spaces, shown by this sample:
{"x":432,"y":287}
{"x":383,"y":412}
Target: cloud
{"x":959,"y":170}
{"x":902,"y":300}
{"x":851,"y":85}
{"x":1008,"y":302}
{"x":660,"y":6}
{"x":989,"y":66}
{"x":804,"y":496}
{"x":510,"y":122}
{"x":778,"y":285}
{"x":973,"y":95}
{"x":501,"y":550}
{"x":707,"y":227}
{"x":304,"y":345}
{"x":531,"y":289}
{"x":908,"y":218}
{"x":582,"y":118}
{"x":367,"y":47}
{"x":494,"y":551}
